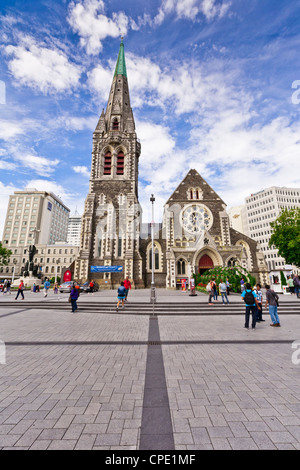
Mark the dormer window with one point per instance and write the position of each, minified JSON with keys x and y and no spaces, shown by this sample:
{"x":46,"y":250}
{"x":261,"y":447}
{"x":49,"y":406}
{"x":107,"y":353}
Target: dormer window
{"x":115,"y":125}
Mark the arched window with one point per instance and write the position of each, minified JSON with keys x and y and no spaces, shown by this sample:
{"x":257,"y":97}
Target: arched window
{"x":115,"y":125}
{"x":107,"y":163}
{"x":156,"y":258}
{"x":120,"y":163}
{"x":181,"y":267}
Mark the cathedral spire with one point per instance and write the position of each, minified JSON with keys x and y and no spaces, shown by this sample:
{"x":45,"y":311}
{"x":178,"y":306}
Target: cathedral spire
{"x":121,"y":65}
{"x":118,"y":115}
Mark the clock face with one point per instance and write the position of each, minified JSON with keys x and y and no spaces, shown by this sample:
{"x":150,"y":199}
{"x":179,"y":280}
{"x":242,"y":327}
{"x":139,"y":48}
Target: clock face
{"x":196,"y":218}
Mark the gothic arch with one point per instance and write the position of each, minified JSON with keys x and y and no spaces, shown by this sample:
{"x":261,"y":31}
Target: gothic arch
{"x":211,"y":252}
{"x":158,"y":257}
{"x":246,"y":260}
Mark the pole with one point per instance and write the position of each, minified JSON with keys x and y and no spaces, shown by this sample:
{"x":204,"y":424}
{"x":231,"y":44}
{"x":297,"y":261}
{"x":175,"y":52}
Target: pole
{"x":13,"y":276}
{"x":152,"y":295}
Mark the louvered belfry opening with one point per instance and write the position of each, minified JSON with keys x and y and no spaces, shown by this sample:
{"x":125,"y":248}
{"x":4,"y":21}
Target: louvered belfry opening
{"x":120,"y":163}
{"x":107,"y":163}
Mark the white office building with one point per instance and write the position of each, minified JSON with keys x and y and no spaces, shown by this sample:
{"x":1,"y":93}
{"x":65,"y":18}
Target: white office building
{"x":35,"y":217}
{"x":74,"y":229}
{"x":264,"y":207}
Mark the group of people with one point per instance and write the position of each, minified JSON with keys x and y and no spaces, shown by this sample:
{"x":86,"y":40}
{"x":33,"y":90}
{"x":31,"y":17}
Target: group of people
{"x":214,"y":290}
{"x":122,"y":294}
{"x":294,"y":285}
{"x":6,"y":287}
{"x":253,"y":299}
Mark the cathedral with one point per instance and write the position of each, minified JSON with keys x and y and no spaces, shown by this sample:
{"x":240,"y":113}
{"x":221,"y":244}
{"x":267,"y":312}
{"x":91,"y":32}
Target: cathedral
{"x":195,"y":234}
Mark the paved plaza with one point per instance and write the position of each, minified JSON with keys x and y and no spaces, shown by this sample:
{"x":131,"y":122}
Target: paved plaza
{"x":124,"y":381}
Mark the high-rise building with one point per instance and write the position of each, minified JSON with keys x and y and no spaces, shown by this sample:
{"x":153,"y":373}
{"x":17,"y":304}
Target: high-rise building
{"x":35,"y":217}
{"x":74,"y":229}
{"x":264,"y":207}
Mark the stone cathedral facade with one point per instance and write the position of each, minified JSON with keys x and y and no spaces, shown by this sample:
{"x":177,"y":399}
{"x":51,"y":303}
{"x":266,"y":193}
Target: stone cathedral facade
{"x":195,"y":233}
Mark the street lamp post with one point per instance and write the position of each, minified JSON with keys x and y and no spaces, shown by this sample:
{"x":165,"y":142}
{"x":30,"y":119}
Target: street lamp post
{"x":152,"y":294}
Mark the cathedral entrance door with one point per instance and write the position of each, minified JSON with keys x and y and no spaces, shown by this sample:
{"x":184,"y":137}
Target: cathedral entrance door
{"x":205,"y":263}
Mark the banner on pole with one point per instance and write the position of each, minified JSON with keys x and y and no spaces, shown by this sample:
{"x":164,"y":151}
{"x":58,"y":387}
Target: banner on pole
{"x":106,"y":269}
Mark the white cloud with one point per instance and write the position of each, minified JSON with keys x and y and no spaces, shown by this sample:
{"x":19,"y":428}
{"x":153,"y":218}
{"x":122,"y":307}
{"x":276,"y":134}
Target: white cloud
{"x":99,"y":79}
{"x":10,"y":129}
{"x":40,"y":165}
{"x":88,"y":19}
{"x":190,"y":9}
{"x":7,"y":165}
{"x":83,"y":170}
{"x":43,"y":69}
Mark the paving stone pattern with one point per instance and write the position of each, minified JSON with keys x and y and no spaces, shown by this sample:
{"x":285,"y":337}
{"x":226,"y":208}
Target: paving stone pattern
{"x":78,"y":381}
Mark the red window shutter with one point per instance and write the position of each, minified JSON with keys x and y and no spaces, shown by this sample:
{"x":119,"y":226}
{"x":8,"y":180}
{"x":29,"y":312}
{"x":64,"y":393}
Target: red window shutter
{"x":120,"y":163}
{"x":107,"y":164}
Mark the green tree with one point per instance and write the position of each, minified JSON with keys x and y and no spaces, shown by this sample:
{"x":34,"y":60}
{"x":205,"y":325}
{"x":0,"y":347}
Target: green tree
{"x":286,"y":235}
{"x":4,"y":255}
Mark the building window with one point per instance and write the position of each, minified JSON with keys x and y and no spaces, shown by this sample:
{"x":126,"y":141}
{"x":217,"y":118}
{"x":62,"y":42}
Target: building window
{"x":156,"y":259}
{"x":120,"y":163}
{"x":107,"y":163}
{"x":181,"y":267}
{"x":115,"y":125}
{"x":120,"y":243}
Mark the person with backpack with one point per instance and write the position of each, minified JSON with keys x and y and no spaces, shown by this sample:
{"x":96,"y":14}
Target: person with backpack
{"x":272,"y":300}
{"x":250,"y":299}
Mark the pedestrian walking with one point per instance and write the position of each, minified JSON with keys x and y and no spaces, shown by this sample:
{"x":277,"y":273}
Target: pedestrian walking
{"x":242,"y":282}
{"x":4,"y":289}
{"x":121,"y":295}
{"x":259,"y":295}
{"x":8,"y":287}
{"x":20,"y":290}
{"x":296,"y":282}
{"x":92,"y":286}
{"x":215,"y":288}
{"x":290,"y":283}
{"x":228,"y":286}
{"x":127,"y":285}
{"x":210,"y":290}
{"x":223,"y":291}
{"x":55,"y":288}
{"x":250,"y":299}
{"x":46,"y":287}
{"x":74,"y":294}
{"x":272,"y":301}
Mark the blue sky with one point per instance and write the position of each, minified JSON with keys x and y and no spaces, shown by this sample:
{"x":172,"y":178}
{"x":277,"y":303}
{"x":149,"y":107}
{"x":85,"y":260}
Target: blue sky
{"x":214,"y":85}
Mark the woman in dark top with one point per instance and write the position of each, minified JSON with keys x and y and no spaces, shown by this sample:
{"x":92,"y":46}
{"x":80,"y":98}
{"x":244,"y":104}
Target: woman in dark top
{"x":74,"y":296}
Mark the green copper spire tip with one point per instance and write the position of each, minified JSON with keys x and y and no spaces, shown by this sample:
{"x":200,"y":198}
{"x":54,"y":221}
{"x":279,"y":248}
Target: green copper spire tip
{"x":121,"y":65}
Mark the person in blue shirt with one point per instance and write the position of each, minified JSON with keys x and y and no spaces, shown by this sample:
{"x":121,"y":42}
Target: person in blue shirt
{"x":252,"y":304}
{"x":121,"y":295}
{"x":46,"y":287}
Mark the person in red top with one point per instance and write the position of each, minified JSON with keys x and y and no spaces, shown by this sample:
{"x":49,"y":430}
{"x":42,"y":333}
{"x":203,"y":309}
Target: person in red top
{"x":20,"y":290}
{"x":127,"y":286}
{"x":92,"y":286}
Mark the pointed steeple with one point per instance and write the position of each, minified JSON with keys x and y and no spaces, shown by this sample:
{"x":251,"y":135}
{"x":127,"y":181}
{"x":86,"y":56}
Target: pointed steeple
{"x":118,"y":116}
{"x":121,"y":64}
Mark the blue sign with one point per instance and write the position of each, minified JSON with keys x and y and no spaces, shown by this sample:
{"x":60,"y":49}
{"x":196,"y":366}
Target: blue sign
{"x":106,"y":269}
